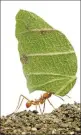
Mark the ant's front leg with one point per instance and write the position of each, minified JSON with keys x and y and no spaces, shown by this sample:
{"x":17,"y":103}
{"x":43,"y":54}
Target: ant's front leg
{"x":51,"y":103}
{"x":71,"y":98}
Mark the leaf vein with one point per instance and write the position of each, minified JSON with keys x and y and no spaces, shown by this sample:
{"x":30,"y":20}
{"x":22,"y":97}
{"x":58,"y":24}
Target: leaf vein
{"x":53,"y":80}
{"x":65,"y":85}
{"x":51,"y":54}
{"x":41,"y":73}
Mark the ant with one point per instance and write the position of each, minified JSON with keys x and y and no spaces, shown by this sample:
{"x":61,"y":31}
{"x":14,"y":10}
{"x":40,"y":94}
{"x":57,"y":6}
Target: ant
{"x":36,"y":102}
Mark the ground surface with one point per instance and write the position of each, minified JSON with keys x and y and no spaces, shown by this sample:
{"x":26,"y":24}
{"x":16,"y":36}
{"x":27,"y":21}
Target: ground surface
{"x":64,"y":120}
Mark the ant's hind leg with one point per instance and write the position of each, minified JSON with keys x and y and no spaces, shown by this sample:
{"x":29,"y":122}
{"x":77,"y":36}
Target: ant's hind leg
{"x":44,"y":107}
{"x":51,"y":103}
{"x":18,"y":106}
{"x":19,"y":103}
{"x":40,"y":109}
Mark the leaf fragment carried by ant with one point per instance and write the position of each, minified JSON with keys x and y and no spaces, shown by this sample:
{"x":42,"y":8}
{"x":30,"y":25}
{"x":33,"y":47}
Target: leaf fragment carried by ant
{"x":48,"y":58}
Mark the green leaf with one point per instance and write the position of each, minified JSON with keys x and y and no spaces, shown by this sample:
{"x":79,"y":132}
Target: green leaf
{"x":48,"y":59}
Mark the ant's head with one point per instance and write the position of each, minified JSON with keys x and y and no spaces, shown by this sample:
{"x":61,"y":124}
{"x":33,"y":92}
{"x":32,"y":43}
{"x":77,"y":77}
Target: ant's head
{"x":28,"y":104}
{"x":46,"y":95}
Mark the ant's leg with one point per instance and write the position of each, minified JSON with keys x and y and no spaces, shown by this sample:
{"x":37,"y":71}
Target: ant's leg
{"x":70,"y":98}
{"x":59,"y":97}
{"x":51,"y":103}
{"x":19,"y":103}
{"x":36,"y":106}
{"x":44,"y":107}
{"x":40,"y":109}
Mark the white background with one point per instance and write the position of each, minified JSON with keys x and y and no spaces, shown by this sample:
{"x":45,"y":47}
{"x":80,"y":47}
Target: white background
{"x":62,"y":15}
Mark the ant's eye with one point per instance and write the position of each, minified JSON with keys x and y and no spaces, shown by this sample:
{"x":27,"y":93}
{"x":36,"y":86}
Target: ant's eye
{"x":28,"y":105}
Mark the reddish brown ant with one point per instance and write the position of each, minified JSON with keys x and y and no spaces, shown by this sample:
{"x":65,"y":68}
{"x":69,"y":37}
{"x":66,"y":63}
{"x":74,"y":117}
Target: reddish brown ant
{"x":39,"y":101}
{"x":36,"y":102}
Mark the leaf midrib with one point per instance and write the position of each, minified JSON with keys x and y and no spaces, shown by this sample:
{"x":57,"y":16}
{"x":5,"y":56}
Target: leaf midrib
{"x":42,"y":73}
{"x":47,"y":54}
